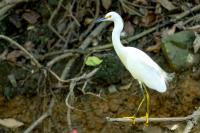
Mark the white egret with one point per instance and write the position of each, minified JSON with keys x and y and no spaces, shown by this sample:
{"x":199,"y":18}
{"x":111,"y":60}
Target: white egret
{"x":138,"y":63}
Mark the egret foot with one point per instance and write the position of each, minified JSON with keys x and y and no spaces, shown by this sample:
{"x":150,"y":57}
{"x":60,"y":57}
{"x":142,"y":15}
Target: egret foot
{"x":132,"y":118}
{"x":147,"y":119}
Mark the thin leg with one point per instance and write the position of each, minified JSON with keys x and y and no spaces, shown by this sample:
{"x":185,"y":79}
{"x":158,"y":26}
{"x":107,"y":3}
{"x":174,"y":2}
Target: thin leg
{"x":140,"y":105}
{"x":147,"y":105}
{"x":142,"y":90}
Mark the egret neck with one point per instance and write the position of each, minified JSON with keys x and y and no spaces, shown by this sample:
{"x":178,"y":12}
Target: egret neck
{"x":119,"y":48}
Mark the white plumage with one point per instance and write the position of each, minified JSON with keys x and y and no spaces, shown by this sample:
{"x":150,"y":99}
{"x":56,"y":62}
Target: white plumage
{"x":138,"y":63}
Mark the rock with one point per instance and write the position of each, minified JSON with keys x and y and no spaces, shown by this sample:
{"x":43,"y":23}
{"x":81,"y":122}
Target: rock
{"x":176,"y":50}
{"x":112,"y":89}
{"x":111,"y":70}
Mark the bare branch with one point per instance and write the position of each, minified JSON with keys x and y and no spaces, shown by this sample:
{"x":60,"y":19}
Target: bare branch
{"x":40,"y":120}
{"x":192,"y":120}
{"x":51,"y":19}
{"x":139,"y":120}
{"x":84,"y":76}
{"x":23,"y":49}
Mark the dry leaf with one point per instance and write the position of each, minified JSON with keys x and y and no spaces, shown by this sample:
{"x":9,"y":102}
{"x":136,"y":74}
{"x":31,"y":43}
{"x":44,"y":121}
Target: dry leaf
{"x":31,"y":17}
{"x":155,"y":48}
{"x":168,"y":32}
{"x":12,"y":56}
{"x":11,"y":123}
{"x":128,"y":28}
{"x":148,"y":19}
{"x":29,"y":45}
{"x":106,"y":3}
{"x":142,"y":2}
{"x":196,"y":43}
{"x":167,"y":4}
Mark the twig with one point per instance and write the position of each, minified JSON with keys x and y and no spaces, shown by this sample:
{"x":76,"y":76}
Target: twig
{"x":84,"y":76}
{"x":85,"y":33}
{"x":93,"y":34}
{"x":65,"y":51}
{"x":58,"y":58}
{"x":78,"y":51}
{"x":69,"y":122}
{"x":194,"y":117}
{"x":6,"y":2}
{"x":90,"y":93}
{"x":5,"y":9}
{"x":133,"y":38}
{"x":70,"y":95}
{"x":66,"y":70}
{"x":23,"y":49}
{"x":139,"y":120}
{"x":182,"y":24}
{"x":51,"y":19}
{"x":69,"y":9}
{"x":39,"y":120}
{"x":187,"y":12}
{"x":73,"y":84}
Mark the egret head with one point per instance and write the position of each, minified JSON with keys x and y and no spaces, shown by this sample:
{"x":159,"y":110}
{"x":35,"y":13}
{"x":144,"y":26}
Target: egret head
{"x":111,"y":16}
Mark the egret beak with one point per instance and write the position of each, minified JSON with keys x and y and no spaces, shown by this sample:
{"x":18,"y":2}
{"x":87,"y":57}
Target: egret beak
{"x":100,"y":20}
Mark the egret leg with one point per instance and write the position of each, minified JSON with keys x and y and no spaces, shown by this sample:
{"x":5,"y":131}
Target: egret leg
{"x":145,"y":96}
{"x":140,"y":105}
{"x":142,"y":101}
{"x":147,"y":105}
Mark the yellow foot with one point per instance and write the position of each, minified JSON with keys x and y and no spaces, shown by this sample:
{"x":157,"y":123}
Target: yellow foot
{"x":147,"y":119}
{"x":132,"y":118}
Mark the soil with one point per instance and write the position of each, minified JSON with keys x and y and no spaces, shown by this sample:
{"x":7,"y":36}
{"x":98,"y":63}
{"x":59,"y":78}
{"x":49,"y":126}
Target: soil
{"x":181,"y":99}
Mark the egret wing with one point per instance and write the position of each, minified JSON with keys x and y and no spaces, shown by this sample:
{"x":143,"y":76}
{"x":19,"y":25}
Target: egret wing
{"x":144,"y":69}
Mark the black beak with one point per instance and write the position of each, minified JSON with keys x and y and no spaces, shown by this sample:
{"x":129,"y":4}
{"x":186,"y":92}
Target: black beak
{"x":100,"y":20}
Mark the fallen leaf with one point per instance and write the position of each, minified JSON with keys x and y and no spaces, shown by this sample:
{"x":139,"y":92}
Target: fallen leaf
{"x":167,"y":5}
{"x":142,"y":2}
{"x":93,"y":61}
{"x":29,"y":45}
{"x":128,"y":28}
{"x":196,"y":43}
{"x":148,"y":19}
{"x":106,"y":3}
{"x":31,"y":17}
{"x":12,"y":56}
{"x":155,"y":48}
{"x":166,"y":32}
{"x":11,"y":123}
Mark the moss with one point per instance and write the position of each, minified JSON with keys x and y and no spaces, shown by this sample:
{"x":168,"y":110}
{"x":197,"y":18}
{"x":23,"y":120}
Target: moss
{"x":111,"y":70}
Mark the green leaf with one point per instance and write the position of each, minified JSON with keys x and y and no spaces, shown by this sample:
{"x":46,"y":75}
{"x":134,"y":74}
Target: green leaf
{"x":93,"y":61}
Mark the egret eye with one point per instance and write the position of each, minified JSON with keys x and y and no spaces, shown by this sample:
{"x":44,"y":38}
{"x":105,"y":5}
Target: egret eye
{"x":107,"y":17}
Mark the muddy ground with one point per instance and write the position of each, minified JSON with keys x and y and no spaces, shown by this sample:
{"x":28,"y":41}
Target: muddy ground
{"x":181,"y":99}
